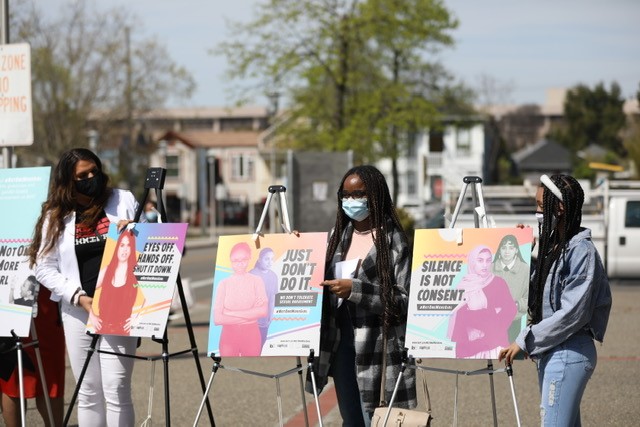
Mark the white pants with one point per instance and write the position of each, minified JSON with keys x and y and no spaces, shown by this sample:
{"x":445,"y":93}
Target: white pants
{"x":107,"y":378}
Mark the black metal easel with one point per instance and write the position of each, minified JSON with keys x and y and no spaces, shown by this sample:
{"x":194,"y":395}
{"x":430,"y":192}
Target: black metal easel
{"x":479,"y":214}
{"x":154,"y":180}
{"x":280,"y":192}
{"x":18,"y":347}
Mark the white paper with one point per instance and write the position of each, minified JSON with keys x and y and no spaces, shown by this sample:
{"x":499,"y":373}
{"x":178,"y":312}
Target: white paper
{"x":346,"y":270}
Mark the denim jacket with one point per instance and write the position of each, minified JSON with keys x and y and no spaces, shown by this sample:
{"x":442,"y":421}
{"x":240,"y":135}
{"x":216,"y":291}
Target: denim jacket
{"x":580,"y":303}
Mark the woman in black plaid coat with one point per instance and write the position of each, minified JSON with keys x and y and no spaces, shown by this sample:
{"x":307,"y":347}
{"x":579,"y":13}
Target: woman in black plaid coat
{"x":359,"y":305}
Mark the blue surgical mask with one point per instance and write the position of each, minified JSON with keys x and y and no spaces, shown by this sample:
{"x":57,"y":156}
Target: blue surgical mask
{"x":356,"y":209}
{"x":152,"y":216}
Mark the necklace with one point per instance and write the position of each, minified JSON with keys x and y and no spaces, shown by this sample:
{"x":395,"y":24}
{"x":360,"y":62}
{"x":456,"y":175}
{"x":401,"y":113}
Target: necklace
{"x":362,"y":233}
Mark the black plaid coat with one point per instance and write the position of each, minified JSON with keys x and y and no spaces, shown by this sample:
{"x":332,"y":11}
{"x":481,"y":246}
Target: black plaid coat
{"x":365,"y":308}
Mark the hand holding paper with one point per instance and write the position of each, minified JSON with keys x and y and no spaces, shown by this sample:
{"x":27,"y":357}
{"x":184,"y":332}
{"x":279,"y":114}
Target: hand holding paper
{"x":344,"y":270}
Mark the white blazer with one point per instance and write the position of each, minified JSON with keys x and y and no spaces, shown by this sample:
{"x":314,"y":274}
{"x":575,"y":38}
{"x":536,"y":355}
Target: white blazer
{"x":58,"y":269}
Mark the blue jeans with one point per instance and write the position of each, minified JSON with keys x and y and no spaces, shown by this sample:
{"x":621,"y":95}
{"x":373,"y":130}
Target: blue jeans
{"x":563,"y":373}
{"x":343,"y":370}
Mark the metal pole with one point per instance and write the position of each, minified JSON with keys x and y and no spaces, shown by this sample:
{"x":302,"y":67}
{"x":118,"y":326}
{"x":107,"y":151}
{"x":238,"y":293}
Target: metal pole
{"x":7,"y":152}
{"x":4,"y":13}
{"x":202,"y":190}
{"x":212,"y":194}
{"x":272,"y":211}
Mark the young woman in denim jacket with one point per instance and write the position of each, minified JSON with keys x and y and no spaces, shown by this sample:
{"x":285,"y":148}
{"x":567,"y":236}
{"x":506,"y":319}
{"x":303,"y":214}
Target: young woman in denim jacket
{"x":569,"y":303}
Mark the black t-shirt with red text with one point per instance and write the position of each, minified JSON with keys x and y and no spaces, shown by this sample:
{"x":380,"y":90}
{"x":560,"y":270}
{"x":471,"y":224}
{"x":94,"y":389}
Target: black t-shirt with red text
{"x":89,"y":248}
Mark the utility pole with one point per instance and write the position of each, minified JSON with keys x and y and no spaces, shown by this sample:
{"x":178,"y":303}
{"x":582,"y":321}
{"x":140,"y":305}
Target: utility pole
{"x":127,"y":163}
{"x":7,"y":152}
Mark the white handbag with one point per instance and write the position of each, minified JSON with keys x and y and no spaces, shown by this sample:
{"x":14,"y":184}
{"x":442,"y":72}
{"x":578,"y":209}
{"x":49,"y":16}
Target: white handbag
{"x":400,"y":417}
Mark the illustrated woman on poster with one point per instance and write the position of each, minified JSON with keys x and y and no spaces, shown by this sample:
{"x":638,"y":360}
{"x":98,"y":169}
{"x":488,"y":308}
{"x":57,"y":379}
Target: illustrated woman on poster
{"x":240,"y":301}
{"x":118,"y":299}
{"x":263,"y":270}
{"x":479,"y":325}
{"x":510,"y":265}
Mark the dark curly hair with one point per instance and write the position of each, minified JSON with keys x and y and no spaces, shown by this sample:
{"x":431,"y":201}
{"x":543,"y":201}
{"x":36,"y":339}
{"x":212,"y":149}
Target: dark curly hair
{"x":553,"y":241}
{"x":62,"y":201}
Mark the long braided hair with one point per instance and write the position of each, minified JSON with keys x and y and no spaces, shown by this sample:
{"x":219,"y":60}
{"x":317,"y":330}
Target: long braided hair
{"x":381,"y":213}
{"x":62,"y":201}
{"x":553,"y":241}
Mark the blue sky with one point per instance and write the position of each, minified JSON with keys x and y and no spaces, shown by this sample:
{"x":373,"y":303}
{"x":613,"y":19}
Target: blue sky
{"x":525,"y":47}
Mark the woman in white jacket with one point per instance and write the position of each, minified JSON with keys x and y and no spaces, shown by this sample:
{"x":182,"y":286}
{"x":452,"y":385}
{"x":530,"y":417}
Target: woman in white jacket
{"x":67,"y":249}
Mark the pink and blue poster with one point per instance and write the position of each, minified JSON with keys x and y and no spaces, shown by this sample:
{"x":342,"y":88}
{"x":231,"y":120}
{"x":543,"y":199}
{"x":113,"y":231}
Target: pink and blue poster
{"x":137,"y":279}
{"x":22,"y":192}
{"x":469,"y":291}
{"x":267,"y":297}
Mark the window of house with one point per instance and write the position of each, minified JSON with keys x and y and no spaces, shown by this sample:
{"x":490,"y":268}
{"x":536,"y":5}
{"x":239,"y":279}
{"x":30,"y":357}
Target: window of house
{"x":236,"y":124}
{"x":412,"y":181}
{"x":463,"y":141}
{"x":172,"y":162}
{"x":436,"y":141}
{"x":242,"y":165}
{"x":197,"y":124}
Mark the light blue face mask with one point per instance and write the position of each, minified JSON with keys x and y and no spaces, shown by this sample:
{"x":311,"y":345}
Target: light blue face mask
{"x":356,"y":209}
{"x":151,"y":216}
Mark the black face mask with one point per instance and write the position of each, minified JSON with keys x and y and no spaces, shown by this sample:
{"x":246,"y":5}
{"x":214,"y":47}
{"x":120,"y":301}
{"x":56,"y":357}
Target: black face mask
{"x":91,"y":187}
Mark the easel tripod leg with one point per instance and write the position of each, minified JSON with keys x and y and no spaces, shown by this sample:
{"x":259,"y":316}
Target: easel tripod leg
{"x":455,"y":402}
{"x":152,"y":382}
{"x":493,"y":394}
{"x":279,"y":400}
{"x":45,"y":388}
{"x":509,"y":370}
{"x":315,"y":388}
{"x":403,"y":367}
{"x":23,"y":409}
{"x":205,"y":398}
{"x":304,"y":403}
{"x":194,"y":346}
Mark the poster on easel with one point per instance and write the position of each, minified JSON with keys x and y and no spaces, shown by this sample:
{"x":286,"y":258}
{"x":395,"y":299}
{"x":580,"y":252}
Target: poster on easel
{"x":469,"y":291}
{"x":137,"y":279}
{"x":267,"y":298}
{"x":22,"y":192}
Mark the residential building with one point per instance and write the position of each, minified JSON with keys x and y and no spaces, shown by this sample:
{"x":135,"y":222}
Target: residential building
{"x":214,"y":162}
{"x":220,"y":162}
{"x":439,"y":160}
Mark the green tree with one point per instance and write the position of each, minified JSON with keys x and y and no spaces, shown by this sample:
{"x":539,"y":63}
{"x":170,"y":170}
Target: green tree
{"x":413,"y":88}
{"x":357,"y":73}
{"x":90,"y":66}
{"x":592,"y":116}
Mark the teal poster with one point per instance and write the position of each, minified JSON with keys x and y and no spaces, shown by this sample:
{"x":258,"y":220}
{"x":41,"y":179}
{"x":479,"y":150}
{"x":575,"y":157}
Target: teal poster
{"x":22,"y":192}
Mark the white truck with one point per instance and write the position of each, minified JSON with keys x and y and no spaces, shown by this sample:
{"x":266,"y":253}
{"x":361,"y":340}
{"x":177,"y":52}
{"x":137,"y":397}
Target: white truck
{"x":611,"y":210}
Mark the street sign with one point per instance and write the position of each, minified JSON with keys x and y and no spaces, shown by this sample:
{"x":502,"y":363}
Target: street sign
{"x":16,"y":119}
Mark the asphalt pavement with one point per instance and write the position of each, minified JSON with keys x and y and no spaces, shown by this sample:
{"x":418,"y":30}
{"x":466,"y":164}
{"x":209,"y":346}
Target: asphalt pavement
{"x":266,"y":391}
